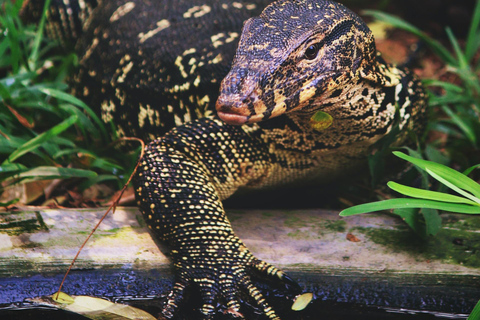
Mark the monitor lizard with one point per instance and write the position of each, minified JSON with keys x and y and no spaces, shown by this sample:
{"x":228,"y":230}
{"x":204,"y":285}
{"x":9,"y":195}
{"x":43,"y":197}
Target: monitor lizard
{"x":303,"y":98}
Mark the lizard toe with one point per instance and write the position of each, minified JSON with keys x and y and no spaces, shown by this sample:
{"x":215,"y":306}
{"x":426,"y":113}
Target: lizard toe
{"x":174,"y":298}
{"x":259,"y":299}
{"x":270,"y":271}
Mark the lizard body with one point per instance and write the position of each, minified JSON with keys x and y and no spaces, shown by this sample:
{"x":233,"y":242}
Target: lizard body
{"x":304,"y":100}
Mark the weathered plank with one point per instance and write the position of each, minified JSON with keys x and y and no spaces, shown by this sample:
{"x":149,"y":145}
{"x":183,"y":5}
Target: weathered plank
{"x":384,"y":265}
{"x":46,"y":240}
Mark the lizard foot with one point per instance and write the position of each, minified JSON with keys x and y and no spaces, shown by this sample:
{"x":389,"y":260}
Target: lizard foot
{"x":224,"y":280}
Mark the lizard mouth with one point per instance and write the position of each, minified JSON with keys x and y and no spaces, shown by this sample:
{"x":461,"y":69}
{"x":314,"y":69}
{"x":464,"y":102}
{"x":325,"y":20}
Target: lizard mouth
{"x":235,"y":109}
{"x":232,"y":118}
{"x":238,"y":109}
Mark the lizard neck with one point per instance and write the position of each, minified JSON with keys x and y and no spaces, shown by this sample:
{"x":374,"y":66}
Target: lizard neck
{"x":361,"y":113}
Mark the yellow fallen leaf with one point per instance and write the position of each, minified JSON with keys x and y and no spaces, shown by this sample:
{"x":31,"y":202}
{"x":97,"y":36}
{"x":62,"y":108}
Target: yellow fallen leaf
{"x":94,"y":308}
{"x":302,"y":301}
{"x":62,"y":298}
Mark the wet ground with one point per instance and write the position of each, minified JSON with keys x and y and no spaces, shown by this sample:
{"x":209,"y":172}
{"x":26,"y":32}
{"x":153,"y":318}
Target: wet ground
{"x":375,"y":296}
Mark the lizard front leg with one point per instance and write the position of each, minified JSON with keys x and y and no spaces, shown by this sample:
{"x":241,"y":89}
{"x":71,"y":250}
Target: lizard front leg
{"x":181,"y":182}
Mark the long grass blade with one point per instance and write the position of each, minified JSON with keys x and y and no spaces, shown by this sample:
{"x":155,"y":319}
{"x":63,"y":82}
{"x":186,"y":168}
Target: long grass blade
{"x":473,"y":37}
{"x":47,"y":172}
{"x":75,"y":101}
{"x":12,"y":167}
{"x":458,"y":179}
{"x":454,"y":187}
{"x":38,"y":37}
{"x":41,"y":138}
{"x":428,"y":194}
{"x":12,"y":36}
{"x":466,"y":129}
{"x":469,"y":170}
{"x":409,"y":203}
{"x":462,"y":62}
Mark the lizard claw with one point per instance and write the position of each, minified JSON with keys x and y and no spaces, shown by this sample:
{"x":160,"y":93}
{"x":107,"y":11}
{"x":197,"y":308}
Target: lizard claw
{"x":174,"y":298}
{"x":266,"y":269}
{"x":225,"y":283}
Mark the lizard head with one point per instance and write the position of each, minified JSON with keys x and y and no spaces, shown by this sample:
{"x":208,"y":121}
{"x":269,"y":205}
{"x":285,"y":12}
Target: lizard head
{"x":295,"y":55}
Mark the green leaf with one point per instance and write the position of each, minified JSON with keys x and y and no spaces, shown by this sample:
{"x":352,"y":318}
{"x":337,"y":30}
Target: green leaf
{"x":428,"y":194}
{"x":462,"y":62}
{"x":473,"y":37}
{"x":469,"y":170}
{"x":12,"y":167}
{"x":63,"y":298}
{"x":475,"y":315}
{"x":41,"y":138}
{"x":99,"y":179}
{"x":77,"y":102}
{"x":456,"y":178}
{"x":435,"y":155}
{"x":411,"y":216}
{"x":409,"y":203}
{"x":9,"y":203}
{"x":46,"y":172}
{"x":453,"y":187}
{"x":33,"y":59}
{"x":444,"y":85}
{"x":433,"y":221}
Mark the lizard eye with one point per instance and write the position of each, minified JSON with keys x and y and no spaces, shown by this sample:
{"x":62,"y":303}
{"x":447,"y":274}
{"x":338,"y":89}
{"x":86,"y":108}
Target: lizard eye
{"x":312,"y":51}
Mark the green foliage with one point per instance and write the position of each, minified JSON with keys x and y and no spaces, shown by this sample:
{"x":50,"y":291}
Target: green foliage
{"x":428,"y":223}
{"x":475,"y":315}
{"x":46,"y":133}
{"x":460,"y":102}
{"x":455,"y":113}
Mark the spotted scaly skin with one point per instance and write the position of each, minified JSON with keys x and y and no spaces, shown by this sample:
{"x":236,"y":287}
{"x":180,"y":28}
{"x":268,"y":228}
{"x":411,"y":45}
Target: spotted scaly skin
{"x":287,"y":69}
{"x":149,"y":66}
{"x":296,"y":59}
{"x":183,"y":178}
{"x":306,"y":97}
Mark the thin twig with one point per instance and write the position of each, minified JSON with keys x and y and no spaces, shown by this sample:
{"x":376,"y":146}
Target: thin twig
{"x":112,"y":208}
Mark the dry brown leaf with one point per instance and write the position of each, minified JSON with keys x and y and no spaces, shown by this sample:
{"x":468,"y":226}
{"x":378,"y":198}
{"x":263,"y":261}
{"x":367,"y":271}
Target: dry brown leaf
{"x":351,"y":237}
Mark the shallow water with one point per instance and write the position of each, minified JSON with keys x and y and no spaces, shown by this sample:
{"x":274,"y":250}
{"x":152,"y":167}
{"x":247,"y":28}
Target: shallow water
{"x":348,"y":296}
{"x":316,"y":310}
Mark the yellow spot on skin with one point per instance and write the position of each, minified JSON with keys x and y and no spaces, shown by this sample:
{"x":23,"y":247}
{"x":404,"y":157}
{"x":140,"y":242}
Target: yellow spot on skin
{"x":197,"y":11}
{"x":197,"y":81}
{"x":90,"y":49}
{"x":217,"y":59}
{"x":260,"y":107}
{"x":125,"y":70}
{"x":108,"y":107}
{"x":178,"y":63}
{"x":216,"y":39}
{"x":144,"y":113}
{"x":161,"y":25}
{"x":306,"y":94}
{"x":231,"y":36}
{"x":122,"y":10}
{"x":204,"y":101}
{"x":189,"y":51}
